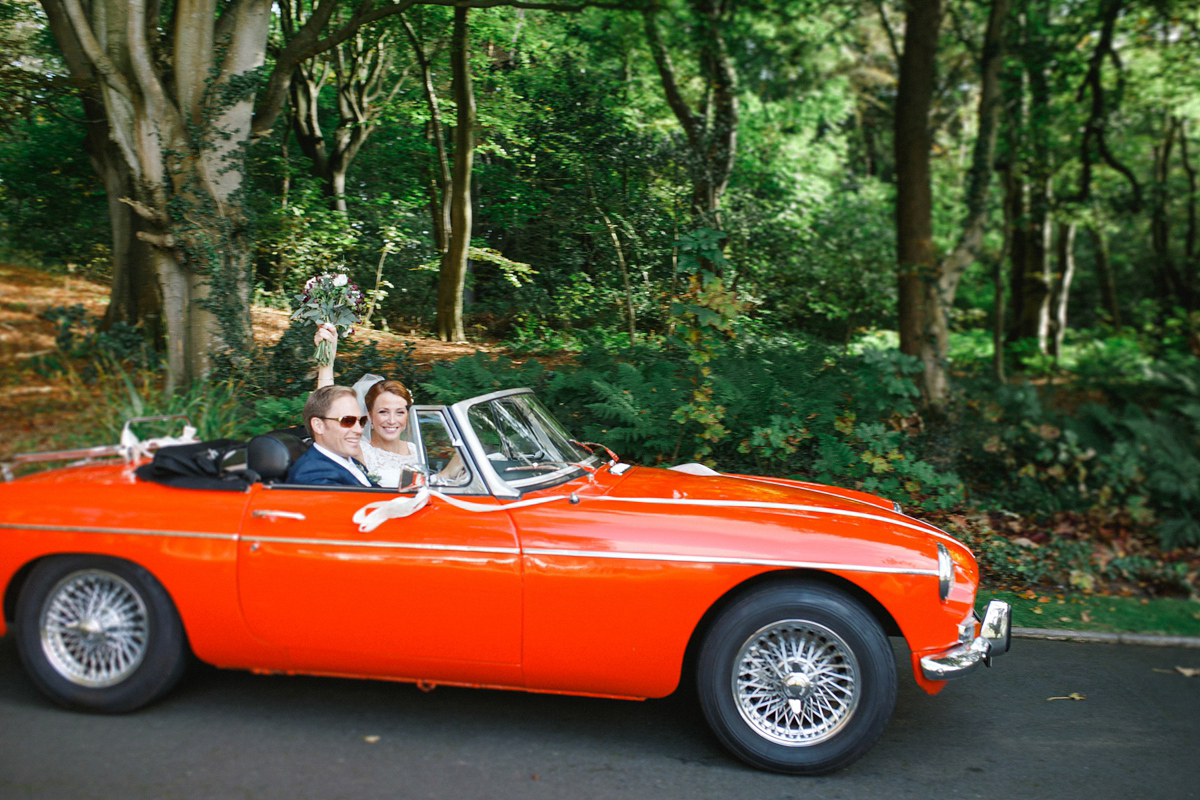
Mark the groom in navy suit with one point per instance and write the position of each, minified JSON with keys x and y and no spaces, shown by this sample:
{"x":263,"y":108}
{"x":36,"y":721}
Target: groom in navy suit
{"x":334,"y":420}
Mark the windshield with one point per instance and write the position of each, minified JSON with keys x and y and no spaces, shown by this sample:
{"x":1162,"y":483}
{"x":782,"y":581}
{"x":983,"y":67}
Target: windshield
{"x":524,"y":443}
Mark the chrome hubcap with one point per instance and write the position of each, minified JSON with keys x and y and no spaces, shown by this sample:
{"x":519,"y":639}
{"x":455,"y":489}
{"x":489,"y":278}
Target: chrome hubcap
{"x":795,"y":682}
{"x":94,"y":629}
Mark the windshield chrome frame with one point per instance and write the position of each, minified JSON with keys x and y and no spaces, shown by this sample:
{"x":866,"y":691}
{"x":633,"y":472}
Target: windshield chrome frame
{"x":499,"y":486}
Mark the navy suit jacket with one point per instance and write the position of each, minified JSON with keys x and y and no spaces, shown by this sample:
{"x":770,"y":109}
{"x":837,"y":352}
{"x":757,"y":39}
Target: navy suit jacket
{"x":316,"y":468}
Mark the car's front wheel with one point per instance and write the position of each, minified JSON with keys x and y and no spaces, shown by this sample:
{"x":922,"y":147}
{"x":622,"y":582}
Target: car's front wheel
{"x":98,"y":633}
{"x":797,"y":678}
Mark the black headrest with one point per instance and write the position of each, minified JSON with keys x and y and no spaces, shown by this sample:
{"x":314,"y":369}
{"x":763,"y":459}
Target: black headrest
{"x":270,"y":454}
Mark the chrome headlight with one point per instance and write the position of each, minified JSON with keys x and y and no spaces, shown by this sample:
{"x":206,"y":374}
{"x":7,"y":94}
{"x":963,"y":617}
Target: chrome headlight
{"x":945,"y":572}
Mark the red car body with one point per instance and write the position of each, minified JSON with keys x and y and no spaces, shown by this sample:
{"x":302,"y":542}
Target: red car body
{"x":606,"y":579}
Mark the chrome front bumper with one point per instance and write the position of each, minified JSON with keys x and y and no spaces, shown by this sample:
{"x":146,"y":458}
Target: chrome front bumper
{"x":994,"y":639}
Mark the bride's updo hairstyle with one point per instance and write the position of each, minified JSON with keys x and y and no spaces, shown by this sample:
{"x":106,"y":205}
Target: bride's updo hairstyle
{"x":393,"y":387}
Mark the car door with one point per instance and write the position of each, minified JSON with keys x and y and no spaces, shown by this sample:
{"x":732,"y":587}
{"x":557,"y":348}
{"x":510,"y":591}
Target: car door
{"x":435,"y":595}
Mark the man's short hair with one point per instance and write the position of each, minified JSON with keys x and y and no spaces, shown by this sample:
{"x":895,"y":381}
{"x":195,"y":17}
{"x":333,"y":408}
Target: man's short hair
{"x":320,"y":401}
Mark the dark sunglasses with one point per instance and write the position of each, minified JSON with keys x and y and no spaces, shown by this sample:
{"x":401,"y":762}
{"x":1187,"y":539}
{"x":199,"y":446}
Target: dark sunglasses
{"x":349,"y":420}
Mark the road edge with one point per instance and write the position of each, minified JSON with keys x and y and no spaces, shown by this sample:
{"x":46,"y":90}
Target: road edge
{"x":1147,"y":639}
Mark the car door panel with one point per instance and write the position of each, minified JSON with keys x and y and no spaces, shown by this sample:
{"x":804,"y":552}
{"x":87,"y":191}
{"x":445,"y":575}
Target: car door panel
{"x":439,"y":590}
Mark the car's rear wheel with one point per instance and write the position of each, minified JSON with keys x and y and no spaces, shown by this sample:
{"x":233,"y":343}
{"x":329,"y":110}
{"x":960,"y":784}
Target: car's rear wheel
{"x":98,"y":634}
{"x":797,"y":678}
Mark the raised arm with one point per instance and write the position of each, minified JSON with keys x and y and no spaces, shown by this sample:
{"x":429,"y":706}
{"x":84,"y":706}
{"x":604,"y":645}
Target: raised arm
{"x":327,"y":332}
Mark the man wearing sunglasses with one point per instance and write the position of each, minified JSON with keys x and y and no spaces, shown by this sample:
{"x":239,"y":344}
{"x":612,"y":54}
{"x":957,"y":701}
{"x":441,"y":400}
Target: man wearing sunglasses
{"x":335,"y":423}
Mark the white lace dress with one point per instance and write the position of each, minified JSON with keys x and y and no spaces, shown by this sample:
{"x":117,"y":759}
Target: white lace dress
{"x":385,"y":465}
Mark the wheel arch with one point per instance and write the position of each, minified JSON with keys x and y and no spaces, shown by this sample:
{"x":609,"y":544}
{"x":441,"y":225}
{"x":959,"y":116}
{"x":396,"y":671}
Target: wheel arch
{"x":12,"y":592}
{"x":774,"y":578}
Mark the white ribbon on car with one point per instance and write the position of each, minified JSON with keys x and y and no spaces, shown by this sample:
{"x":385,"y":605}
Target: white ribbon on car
{"x":372,"y":515}
{"x":134,"y":449}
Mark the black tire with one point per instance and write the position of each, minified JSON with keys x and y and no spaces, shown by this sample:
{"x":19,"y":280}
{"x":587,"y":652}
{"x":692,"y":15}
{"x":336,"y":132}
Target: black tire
{"x":799,"y":715}
{"x":99,"y":634}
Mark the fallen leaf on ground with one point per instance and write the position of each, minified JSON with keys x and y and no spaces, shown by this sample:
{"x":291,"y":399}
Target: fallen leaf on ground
{"x":1071,"y":696}
{"x":370,"y":739}
{"x":1188,"y":672}
{"x":1085,"y":617}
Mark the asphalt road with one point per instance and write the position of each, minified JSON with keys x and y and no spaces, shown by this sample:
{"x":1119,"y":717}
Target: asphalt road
{"x":236,"y":735}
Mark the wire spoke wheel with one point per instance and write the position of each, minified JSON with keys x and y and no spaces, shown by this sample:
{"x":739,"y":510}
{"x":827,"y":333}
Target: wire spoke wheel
{"x":94,"y":628}
{"x":796,"y":682}
{"x":796,"y":677}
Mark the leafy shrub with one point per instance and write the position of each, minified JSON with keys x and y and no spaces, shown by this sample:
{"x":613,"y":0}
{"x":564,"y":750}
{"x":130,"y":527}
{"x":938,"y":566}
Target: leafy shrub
{"x":272,"y":413}
{"x":214,"y":408}
{"x":775,"y":406}
{"x":76,"y":336}
{"x":1124,"y":444}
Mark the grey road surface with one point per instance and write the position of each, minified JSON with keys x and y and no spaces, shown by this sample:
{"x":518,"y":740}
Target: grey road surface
{"x":995,"y":734}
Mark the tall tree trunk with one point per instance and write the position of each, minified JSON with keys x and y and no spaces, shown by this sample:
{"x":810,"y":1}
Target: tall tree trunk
{"x":1062,"y":287}
{"x":439,"y":178}
{"x":453,"y":273}
{"x":1104,"y":275}
{"x":134,"y":296}
{"x":998,"y":307}
{"x":1033,"y":313}
{"x":1172,"y":286}
{"x":918,"y":300}
{"x":970,"y":239}
{"x":1030,"y":276}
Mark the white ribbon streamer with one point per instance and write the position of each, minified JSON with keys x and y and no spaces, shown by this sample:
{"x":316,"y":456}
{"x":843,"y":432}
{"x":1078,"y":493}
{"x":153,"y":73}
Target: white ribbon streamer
{"x":134,"y":449}
{"x":372,"y":515}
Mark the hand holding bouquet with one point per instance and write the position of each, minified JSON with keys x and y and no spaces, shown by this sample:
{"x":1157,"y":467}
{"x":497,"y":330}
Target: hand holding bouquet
{"x":331,"y":299}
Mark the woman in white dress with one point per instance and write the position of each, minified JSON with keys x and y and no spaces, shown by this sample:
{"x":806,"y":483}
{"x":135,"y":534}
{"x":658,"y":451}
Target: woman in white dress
{"x":386,"y":448}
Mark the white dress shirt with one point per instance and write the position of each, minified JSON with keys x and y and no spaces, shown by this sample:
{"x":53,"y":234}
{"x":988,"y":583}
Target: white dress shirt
{"x":345,"y":462}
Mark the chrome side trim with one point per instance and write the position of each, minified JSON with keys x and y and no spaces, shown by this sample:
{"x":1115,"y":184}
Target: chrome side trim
{"x":119,"y":531}
{"x":760,"y":562}
{"x":457,"y":548}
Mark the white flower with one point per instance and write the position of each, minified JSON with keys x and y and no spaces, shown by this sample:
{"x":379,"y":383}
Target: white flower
{"x":341,"y":279}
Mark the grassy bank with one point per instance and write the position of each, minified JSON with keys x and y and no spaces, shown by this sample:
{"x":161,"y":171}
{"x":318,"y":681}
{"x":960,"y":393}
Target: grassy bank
{"x":1099,"y":613}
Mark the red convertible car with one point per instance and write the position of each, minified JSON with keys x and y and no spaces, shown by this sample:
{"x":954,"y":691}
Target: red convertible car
{"x":519,"y":559}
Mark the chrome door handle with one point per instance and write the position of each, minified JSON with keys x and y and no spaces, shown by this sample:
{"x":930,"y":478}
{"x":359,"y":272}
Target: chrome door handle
{"x":263,"y":512}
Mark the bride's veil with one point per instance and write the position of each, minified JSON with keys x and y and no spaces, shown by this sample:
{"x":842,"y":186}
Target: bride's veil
{"x":360,"y":390}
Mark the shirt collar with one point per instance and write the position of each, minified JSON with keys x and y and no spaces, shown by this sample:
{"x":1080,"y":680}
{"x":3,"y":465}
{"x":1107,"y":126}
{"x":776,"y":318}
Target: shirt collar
{"x":345,"y":462}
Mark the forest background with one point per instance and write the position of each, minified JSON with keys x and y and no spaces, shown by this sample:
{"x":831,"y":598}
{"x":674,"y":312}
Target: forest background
{"x":946,"y":253}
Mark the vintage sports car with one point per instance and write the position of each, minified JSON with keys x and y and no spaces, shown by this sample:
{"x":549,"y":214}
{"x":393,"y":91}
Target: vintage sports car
{"x":520,"y":559}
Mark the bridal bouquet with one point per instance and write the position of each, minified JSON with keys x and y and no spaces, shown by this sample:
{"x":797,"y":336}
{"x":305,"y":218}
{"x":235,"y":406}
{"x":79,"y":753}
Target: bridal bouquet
{"x":333,"y":299}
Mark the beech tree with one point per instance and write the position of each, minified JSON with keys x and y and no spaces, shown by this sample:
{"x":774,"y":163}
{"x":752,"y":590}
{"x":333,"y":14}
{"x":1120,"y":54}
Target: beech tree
{"x":178,"y":97}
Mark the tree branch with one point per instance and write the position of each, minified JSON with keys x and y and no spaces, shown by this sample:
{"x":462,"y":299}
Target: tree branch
{"x":1094,"y":127}
{"x":691,"y":122}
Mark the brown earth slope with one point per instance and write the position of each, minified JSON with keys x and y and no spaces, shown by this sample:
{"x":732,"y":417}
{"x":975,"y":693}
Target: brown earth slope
{"x":36,"y":409}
